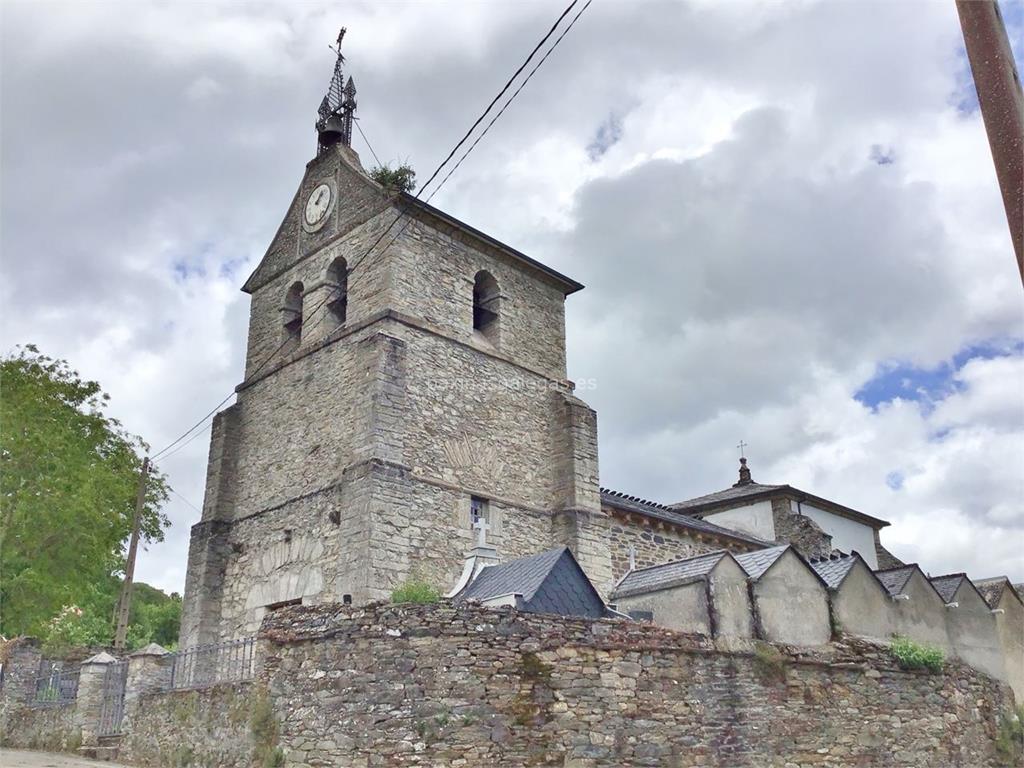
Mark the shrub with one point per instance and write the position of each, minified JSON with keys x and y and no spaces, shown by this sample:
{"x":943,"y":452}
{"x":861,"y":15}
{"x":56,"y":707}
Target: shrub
{"x":1010,"y":739}
{"x":416,"y":592}
{"x":400,"y":179}
{"x":769,"y":662}
{"x":911,"y":655}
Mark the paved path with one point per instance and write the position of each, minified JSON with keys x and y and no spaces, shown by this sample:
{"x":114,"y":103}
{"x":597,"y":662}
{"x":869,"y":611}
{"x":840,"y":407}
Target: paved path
{"x":16,"y":758}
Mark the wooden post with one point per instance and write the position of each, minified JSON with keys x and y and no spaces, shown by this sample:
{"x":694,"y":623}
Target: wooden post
{"x":124,"y":604}
{"x":1002,"y":106}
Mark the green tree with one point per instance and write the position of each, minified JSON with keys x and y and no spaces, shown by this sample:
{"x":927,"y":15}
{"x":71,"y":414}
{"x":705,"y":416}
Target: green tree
{"x":68,"y":479}
{"x":401,"y":179}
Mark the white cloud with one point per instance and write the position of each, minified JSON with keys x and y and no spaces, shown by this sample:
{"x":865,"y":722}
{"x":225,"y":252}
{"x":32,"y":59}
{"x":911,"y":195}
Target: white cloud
{"x":748,"y":262}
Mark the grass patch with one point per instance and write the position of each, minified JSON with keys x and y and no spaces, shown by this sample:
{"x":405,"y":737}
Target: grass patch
{"x":769,"y":662}
{"x":911,"y":655}
{"x":417,"y":593}
{"x":264,"y":727}
{"x":1010,"y":738}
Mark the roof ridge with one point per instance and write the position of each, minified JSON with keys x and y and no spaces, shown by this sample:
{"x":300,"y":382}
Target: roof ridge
{"x":637,"y":499}
{"x":719,"y":552}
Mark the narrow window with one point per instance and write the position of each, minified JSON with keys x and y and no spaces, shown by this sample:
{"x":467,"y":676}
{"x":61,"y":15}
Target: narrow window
{"x":477,"y":510}
{"x":337,"y":285}
{"x":292,"y":314}
{"x":485,"y":306}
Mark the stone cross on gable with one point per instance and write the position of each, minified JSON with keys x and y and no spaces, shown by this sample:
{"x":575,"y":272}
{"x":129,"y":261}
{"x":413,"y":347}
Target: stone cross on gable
{"x":481,"y":526}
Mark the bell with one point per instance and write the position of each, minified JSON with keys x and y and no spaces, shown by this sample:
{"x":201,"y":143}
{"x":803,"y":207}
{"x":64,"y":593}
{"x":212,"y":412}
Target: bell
{"x":332,"y":131}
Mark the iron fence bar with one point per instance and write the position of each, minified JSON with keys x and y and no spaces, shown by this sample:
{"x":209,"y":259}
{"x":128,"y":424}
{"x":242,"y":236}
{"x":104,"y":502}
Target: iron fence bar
{"x":204,"y":665}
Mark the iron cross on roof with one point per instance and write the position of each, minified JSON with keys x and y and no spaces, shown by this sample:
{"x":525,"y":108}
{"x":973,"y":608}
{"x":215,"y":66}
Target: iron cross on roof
{"x":743,"y":448}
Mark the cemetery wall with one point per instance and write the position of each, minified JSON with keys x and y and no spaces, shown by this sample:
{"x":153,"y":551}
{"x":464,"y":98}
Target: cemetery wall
{"x":438,"y":685}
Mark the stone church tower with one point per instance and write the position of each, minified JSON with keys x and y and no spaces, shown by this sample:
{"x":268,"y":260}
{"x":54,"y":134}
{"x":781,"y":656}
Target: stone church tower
{"x":405,"y":375}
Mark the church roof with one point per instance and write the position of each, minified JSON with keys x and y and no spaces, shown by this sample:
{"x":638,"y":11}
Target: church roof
{"x":662,"y":512}
{"x":548,"y":582}
{"x":655,"y":577}
{"x":568,"y":283}
{"x":746,"y":490}
{"x":727,"y":495}
{"x":992,"y":589}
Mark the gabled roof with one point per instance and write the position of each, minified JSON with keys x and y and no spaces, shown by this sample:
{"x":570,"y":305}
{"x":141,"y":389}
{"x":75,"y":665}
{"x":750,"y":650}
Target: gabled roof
{"x":568,"y":284}
{"x":746,"y":490}
{"x":548,"y":582}
{"x":667,"y":514}
{"x":992,"y":590}
{"x":734,"y":493}
{"x":656,"y":577}
{"x":757,"y":563}
{"x":835,"y":568}
{"x":895,"y":579}
{"x":948,"y":585}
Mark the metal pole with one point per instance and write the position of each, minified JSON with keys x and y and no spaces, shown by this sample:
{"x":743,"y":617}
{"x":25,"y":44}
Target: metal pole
{"x":1002,"y":106}
{"x":124,"y":604}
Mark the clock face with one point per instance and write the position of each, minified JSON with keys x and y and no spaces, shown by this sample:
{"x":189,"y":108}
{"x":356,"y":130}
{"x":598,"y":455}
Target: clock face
{"x":318,"y":204}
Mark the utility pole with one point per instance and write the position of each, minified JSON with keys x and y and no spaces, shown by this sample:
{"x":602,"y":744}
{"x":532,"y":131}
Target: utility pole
{"x":1002,"y":106}
{"x":124,"y":604}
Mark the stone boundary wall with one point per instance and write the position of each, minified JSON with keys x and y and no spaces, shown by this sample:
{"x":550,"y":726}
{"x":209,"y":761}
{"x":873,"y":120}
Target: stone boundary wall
{"x":437,"y":685}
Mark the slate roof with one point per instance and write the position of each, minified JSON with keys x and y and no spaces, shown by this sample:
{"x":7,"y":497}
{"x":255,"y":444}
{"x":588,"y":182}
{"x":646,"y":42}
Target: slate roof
{"x":895,"y":579}
{"x":729,"y":494}
{"x":667,"y":514}
{"x":756,"y":563}
{"x":834,"y":569}
{"x":655,"y":577}
{"x":549,"y":582}
{"x":750,"y":491}
{"x":948,"y":585}
{"x":992,"y":589}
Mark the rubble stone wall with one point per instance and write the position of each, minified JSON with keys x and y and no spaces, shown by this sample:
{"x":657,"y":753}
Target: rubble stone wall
{"x":436,"y":685}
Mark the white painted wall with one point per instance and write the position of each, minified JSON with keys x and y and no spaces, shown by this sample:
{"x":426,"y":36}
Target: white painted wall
{"x":753,"y":519}
{"x":847,"y":535}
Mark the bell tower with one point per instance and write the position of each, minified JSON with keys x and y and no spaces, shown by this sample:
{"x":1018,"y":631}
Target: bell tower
{"x":338,"y":108}
{"x":405,"y":378}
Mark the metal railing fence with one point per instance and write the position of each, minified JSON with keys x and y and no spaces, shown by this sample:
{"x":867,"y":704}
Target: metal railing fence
{"x":205,"y":665}
{"x":55,"y":687}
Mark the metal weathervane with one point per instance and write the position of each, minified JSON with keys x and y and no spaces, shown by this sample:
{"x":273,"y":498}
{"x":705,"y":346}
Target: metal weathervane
{"x":337,"y":110}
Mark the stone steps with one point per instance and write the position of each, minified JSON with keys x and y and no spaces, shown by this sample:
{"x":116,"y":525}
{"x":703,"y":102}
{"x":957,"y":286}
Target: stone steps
{"x":106,"y":748}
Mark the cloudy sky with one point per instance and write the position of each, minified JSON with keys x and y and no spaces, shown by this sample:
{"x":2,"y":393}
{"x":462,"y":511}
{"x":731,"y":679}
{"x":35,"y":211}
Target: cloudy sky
{"x":785,"y":214}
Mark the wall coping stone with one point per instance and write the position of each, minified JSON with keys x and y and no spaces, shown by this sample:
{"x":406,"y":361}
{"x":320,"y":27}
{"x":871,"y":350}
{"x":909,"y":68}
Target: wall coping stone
{"x":153,"y":649}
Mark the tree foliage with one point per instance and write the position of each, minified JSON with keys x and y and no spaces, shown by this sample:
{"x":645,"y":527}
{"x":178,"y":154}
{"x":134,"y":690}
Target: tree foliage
{"x":401,"y":179}
{"x":68,"y":480}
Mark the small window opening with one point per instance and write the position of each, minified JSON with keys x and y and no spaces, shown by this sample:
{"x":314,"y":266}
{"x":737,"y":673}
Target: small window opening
{"x":287,"y":535}
{"x":337,"y":284}
{"x":346,"y":599}
{"x":486,"y":297}
{"x":292,"y":314}
{"x":284,"y":604}
{"x":478,"y":510}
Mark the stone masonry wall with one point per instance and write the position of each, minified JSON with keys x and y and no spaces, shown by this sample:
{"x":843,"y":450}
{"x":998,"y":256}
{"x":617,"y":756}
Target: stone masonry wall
{"x":206,"y":727}
{"x":51,"y":728}
{"x":652,"y":543}
{"x":436,"y":685}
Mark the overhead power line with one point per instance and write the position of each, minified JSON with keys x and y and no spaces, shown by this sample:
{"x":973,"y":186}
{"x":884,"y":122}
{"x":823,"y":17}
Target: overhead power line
{"x":191,"y":431}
